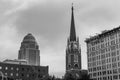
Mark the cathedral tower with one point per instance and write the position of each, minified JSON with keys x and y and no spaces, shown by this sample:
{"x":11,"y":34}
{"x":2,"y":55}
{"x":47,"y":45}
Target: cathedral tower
{"x":73,"y":51}
{"x":29,"y":50}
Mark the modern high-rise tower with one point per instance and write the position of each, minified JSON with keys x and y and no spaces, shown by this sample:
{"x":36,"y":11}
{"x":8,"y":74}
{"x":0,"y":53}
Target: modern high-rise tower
{"x":73,"y":51}
{"x":29,"y":50}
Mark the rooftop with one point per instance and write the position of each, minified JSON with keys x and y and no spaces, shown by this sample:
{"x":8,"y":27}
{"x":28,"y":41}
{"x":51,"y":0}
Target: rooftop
{"x":102,"y":34}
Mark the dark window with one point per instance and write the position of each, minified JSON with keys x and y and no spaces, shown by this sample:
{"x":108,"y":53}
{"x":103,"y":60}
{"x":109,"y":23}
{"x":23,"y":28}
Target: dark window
{"x":76,"y":65}
{"x":23,"y":69}
{"x":38,"y":70}
{"x":28,"y":69}
{"x":33,"y":75}
{"x":69,"y":65}
{"x":22,"y":74}
{"x":115,"y":77}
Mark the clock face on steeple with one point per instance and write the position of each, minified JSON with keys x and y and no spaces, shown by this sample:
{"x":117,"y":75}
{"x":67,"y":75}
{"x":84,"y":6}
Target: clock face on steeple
{"x":69,"y":46}
{"x":74,"y":46}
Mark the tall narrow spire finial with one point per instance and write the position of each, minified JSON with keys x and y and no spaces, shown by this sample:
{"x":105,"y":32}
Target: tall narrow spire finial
{"x":72,"y":6}
{"x":72,"y":29}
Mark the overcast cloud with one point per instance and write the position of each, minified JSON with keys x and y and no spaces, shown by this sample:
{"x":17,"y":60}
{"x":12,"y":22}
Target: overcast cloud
{"x":49,"y":21}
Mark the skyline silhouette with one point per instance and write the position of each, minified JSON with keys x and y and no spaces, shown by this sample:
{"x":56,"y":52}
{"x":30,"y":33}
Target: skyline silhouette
{"x":49,"y":22}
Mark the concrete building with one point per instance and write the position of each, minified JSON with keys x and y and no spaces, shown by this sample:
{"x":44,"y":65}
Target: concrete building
{"x":29,"y":50}
{"x":103,"y":54}
{"x":73,"y":51}
{"x":23,"y":72}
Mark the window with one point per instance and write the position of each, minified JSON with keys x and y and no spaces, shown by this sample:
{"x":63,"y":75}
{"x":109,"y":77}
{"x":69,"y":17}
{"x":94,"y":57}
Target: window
{"x":38,"y":70}
{"x":117,"y":52}
{"x":6,"y":68}
{"x":104,"y":72}
{"x":113,"y":42}
{"x":32,"y":46}
{"x":11,"y":68}
{"x":22,"y":69}
{"x":113,"y":53}
{"x":114,"y":71}
{"x":75,"y":58}
{"x":118,"y":58}
{"x":112,"y":37}
{"x":22,"y":74}
{"x":69,"y":59}
{"x":114,"y":59}
{"x":119,"y":70}
{"x":115,"y":77}
{"x":117,"y":46}
{"x":114,"y":65}
{"x":29,"y":69}
{"x":109,"y":60}
{"x":76,"y":65}
{"x":69,"y":65}
{"x":6,"y":74}
{"x":113,"y":48}
{"x":27,"y":75}
{"x":17,"y":69}
{"x":16,"y":74}
{"x":11,"y":74}
{"x":118,"y":64}
{"x":33,"y":75}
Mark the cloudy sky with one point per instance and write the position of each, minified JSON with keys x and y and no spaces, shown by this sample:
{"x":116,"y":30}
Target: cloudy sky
{"x":49,"y":22}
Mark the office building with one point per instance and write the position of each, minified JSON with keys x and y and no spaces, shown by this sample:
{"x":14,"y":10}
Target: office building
{"x":23,"y":72}
{"x":103,"y":54}
{"x":29,"y":50}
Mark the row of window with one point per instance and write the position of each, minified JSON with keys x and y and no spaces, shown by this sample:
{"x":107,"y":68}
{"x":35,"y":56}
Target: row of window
{"x":104,"y":67}
{"x":103,"y":45}
{"x":105,"y":73}
{"x":17,"y":69}
{"x":22,"y":75}
{"x":104,"y":50}
{"x":113,"y":55}
{"x":114,"y":77}
{"x":109,"y":65}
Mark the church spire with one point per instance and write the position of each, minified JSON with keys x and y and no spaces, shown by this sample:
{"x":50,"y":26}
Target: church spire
{"x":72,"y":29}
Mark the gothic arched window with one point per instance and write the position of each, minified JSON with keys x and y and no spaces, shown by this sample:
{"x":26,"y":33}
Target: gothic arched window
{"x":76,"y":65}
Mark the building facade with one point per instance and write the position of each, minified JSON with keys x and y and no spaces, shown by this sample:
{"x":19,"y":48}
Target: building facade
{"x":73,"y":51}
{"x":23,"y":72}
{"x":103,"y":54}
{"x":29,"y":50}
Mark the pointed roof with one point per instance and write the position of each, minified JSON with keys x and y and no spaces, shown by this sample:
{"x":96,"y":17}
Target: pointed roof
{"x":72,"y":29}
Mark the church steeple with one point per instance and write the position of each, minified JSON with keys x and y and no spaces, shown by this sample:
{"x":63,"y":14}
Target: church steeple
{"x":73,"y":51}
{"x":72,"y":29}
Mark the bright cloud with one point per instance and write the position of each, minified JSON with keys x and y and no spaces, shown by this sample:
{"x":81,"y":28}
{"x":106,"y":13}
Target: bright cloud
{"x":8,"y":42}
